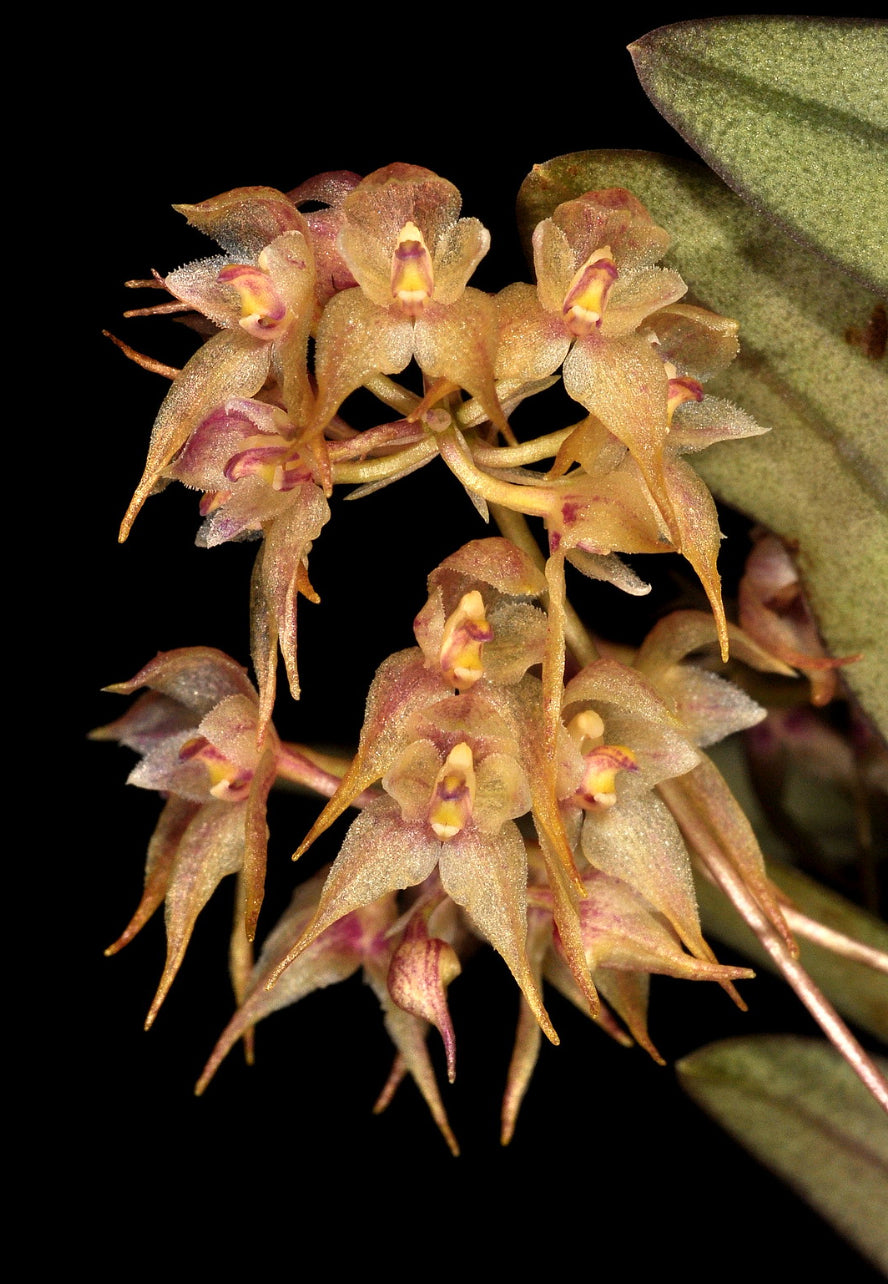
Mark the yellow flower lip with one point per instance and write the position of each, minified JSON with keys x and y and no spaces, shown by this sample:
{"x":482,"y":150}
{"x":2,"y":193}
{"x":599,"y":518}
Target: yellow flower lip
{"x":586,"y":296}
{"x":226,"y":781}
{"x":465,"y":632}
{"x":263,"y":313}
{"x":682,"y":390}
{"x":598,"y":787}
{"x":453,"y":795}
{"x":413,"y":279}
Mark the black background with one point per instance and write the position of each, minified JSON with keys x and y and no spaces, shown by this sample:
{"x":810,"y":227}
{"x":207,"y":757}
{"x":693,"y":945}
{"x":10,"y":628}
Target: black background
{"x":611,"y":1165}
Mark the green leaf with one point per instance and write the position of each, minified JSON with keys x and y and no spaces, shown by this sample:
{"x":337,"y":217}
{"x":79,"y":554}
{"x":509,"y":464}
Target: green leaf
{"x":810,"y":367}
{"x":791,"y":113}
{"x":801,"y":1110}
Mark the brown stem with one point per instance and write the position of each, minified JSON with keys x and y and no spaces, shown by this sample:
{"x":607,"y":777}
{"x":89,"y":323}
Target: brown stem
{"x":320,"y":772}
{"x":836,"y":942}
{"x":820,"y":1008}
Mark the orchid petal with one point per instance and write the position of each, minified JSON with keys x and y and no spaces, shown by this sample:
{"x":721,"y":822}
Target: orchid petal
{"x":174,"y":820}
{"x":150,"y":721}
{"x":636,"y":295}
{"x":231,"y":364}
{"x":211,"y":848}
{"x":487,"y":876}
{"x":401,"y":687}
{"x":458,"y":343}
{"x":698,"y":424}
{"x":532,"y":341}
{"x":696,"y":341}
{"x":244,"y":220}
{"x":456,"y":254}
{"x":289,"y":260}
{"x":356,"y":339}
{"x":421,"y":969}
{"x":198,"y":285}
{"x":639,"y":842}
{"x":380,"y":853}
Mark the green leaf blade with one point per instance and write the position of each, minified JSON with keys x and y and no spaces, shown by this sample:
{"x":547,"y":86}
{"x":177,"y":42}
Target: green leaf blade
{"x":806,"y":369}
{"x":800,"y":1109}
{"x":791,"y":112}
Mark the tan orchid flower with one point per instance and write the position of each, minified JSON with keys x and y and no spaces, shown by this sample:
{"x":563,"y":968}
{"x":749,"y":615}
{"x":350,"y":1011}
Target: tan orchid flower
{"x":412,"y":257}
{"x":260,"y":294}
{"x":197,"y":731}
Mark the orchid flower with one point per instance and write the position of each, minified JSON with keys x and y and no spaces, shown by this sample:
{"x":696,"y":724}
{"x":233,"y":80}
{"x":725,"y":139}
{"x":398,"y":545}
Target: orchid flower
{"x":361,"y":939}
{"x":257,"y":479}
{"x":412,"y":257}
{"x":196,"y":729}
{"x":260,"y":293}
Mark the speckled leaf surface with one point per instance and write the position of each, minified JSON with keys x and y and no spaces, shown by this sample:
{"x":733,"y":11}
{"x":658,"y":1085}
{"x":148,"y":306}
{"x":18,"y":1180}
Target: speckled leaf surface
{"x":810,"y":367}
{"x":791,"y":112}
{"x":800,"y":1109}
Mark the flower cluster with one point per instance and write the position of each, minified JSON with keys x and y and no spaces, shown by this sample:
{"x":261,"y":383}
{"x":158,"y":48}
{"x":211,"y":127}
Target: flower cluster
{"x":514,"y":785}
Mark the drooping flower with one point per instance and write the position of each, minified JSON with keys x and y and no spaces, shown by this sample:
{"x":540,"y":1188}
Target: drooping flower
{"x":365,"y":938}
{"x":258,"y":479}
{"x":260,"y":293}
{"x":774,"y":610}
{"x":196,"y":729}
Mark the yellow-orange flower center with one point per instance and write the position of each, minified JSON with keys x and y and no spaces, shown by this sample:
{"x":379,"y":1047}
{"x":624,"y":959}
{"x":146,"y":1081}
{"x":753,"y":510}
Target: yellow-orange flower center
{"x":602,"y":763}
{"x":412,"y":277}
{"x":586,"y":297}
{"x":263,"y":312}
{"x":227,"y":782}
{"x":453,"y":794}
{"x":465,"y":632}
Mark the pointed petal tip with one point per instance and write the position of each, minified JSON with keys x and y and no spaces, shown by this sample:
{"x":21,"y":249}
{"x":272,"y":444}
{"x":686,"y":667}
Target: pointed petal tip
{"x":129,"y":517}
{"x":116,"y":688}
{"x":209,"y":1071}
{"x":452,"y":1143}
{"x":547,"y":1027}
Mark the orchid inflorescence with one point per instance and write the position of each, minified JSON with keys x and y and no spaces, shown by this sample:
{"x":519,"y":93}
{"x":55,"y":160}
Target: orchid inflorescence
{"x":515,"y":783}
